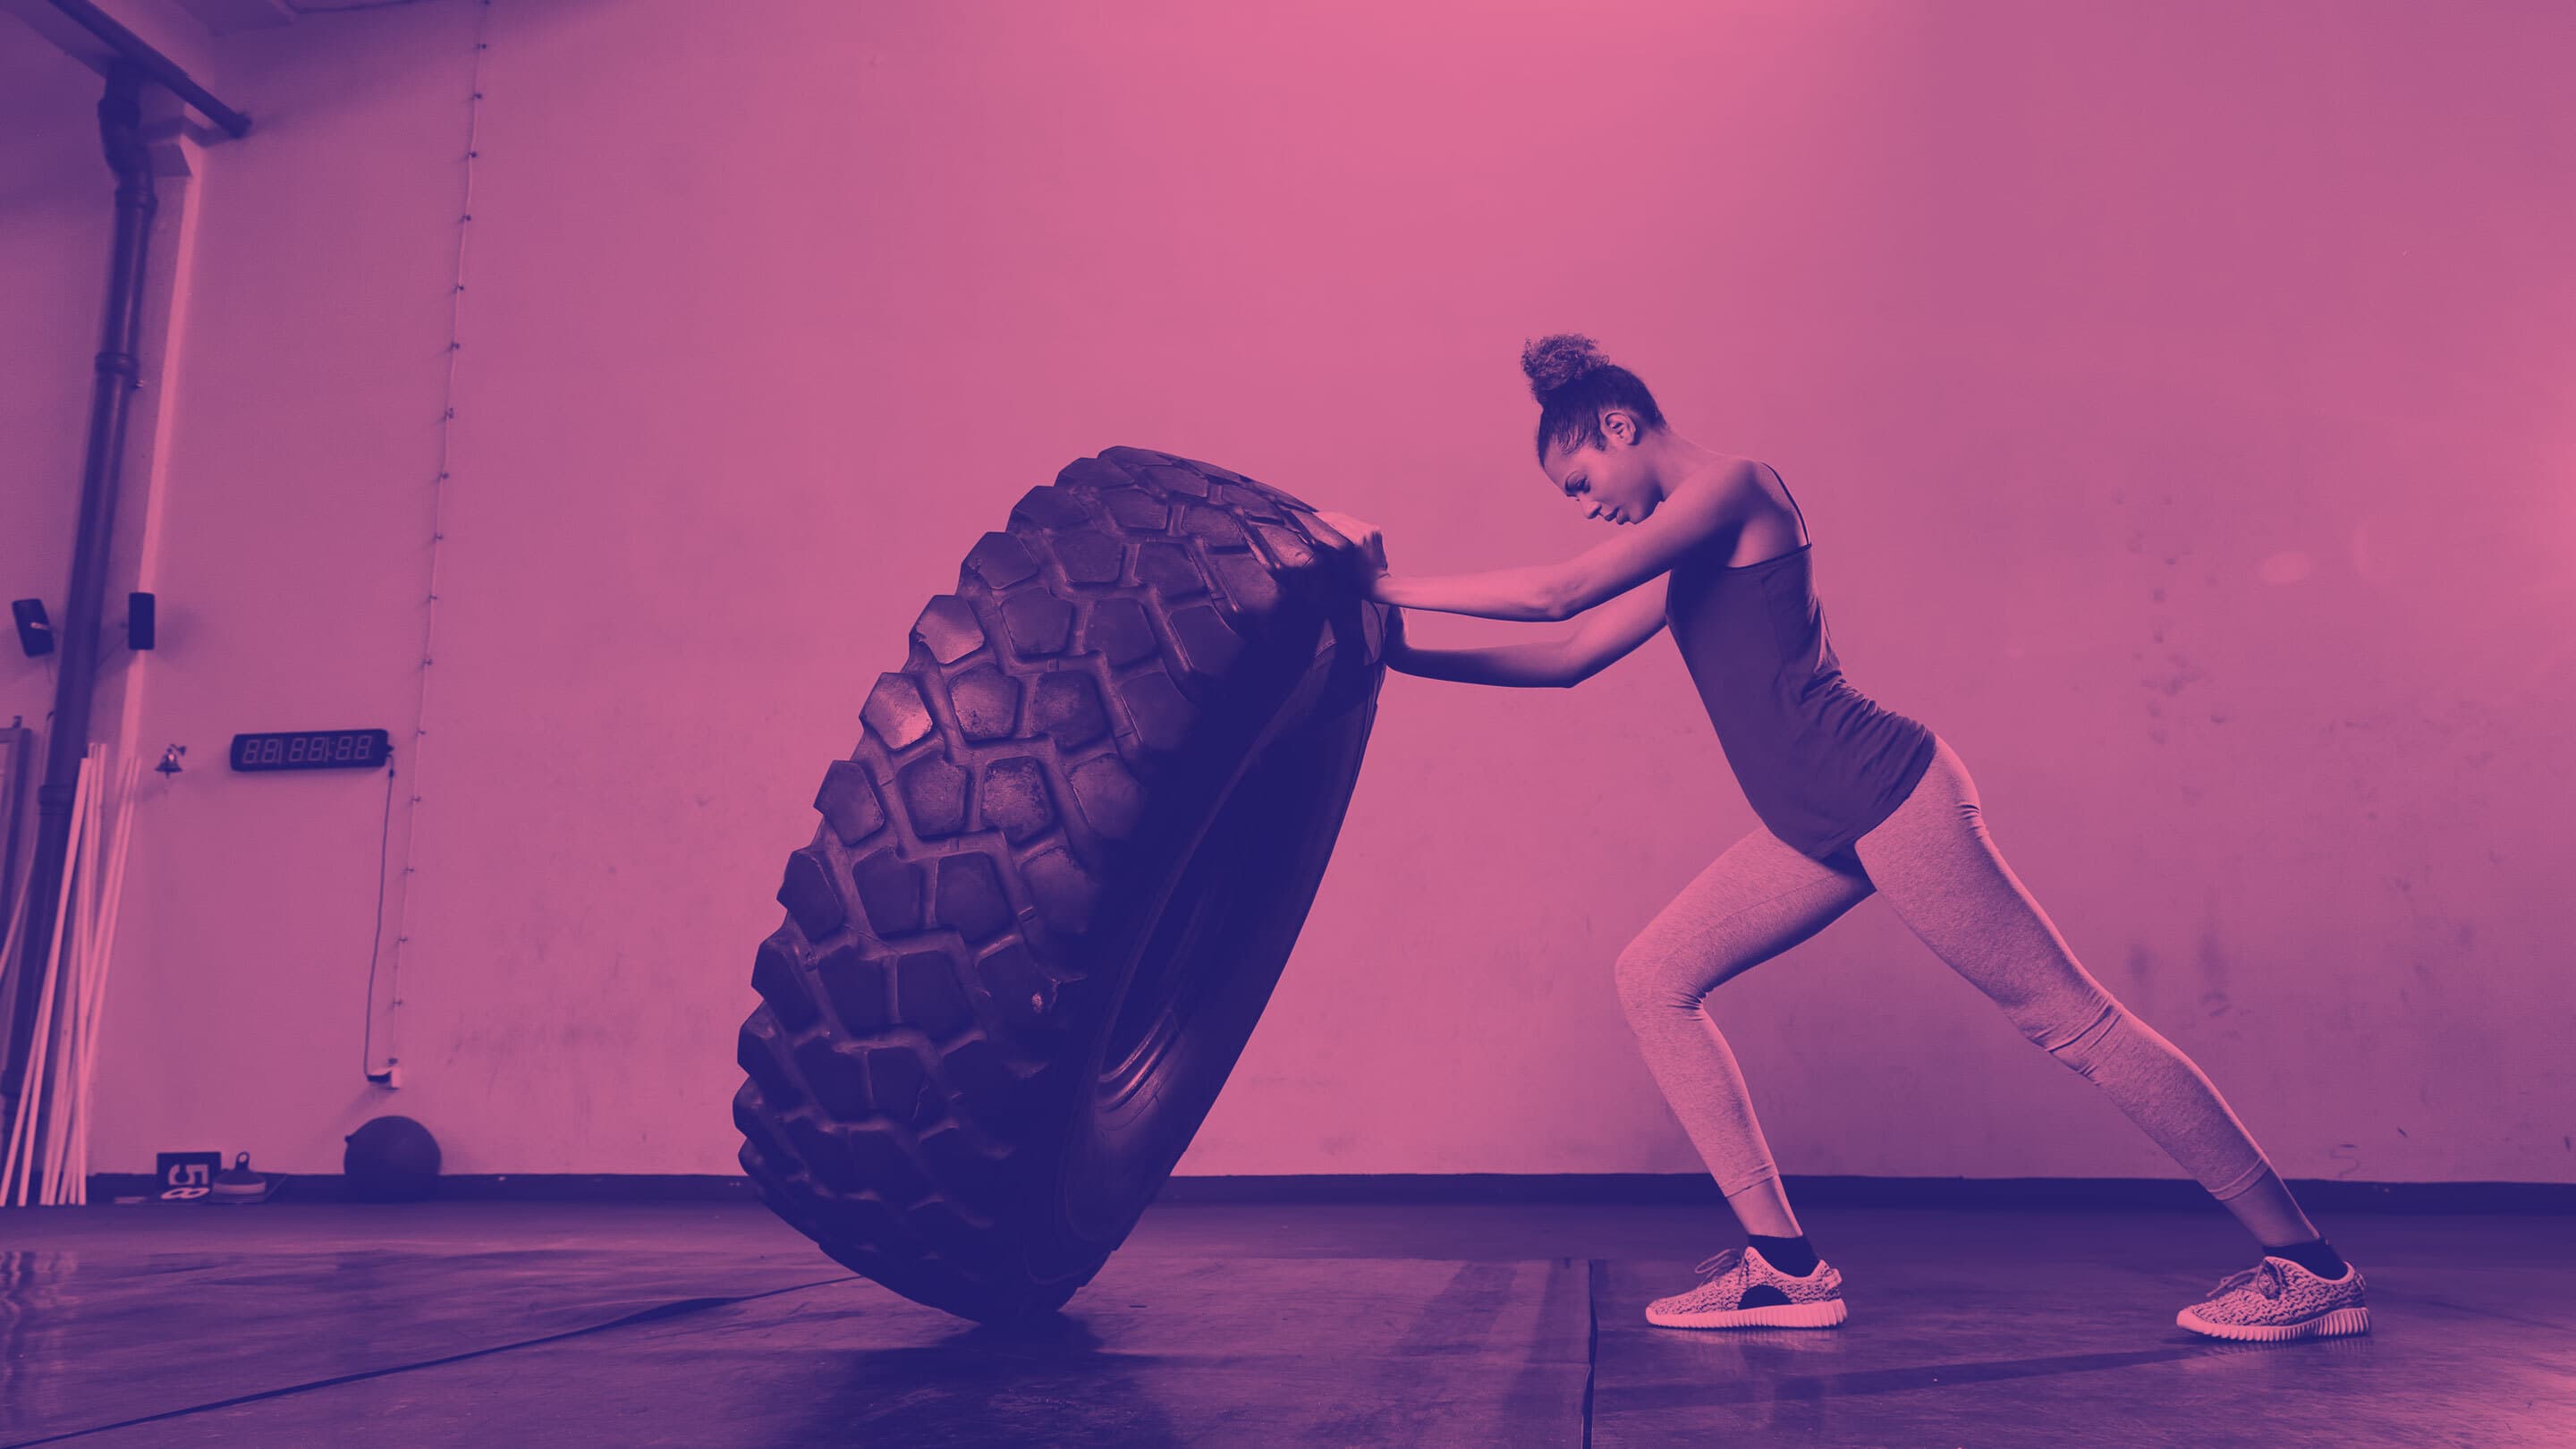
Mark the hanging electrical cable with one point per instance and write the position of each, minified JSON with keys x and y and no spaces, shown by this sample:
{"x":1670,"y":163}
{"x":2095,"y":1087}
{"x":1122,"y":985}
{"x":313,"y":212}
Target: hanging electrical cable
{"x":429,"y":624}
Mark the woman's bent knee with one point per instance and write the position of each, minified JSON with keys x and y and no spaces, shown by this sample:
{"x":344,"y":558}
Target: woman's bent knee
{"x":2083,"y":1051}
{"x":1649,"y":981}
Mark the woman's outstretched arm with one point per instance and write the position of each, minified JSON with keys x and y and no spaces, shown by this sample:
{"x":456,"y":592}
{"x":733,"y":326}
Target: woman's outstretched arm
{"x":1540,"y":664}
{"x":1520,"y":594}
{"x":1607,"y":634}
{"x":1532,"y":594}
{"x":1694,"y":512}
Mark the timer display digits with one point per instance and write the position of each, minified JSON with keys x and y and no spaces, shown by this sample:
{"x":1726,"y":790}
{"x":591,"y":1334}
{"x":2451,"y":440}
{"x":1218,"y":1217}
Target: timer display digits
{"x":312,"y":750}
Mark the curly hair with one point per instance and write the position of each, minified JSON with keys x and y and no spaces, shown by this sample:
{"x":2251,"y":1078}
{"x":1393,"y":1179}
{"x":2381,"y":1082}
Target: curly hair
{"x":1573,"y":382}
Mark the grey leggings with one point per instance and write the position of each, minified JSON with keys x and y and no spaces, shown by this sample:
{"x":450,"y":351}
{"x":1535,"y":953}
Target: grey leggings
{"x":1939,"y":871}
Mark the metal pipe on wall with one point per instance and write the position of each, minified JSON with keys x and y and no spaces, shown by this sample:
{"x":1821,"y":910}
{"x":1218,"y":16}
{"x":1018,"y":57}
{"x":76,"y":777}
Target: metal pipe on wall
{"x":155,"y":65}
{"x":120,"y":120}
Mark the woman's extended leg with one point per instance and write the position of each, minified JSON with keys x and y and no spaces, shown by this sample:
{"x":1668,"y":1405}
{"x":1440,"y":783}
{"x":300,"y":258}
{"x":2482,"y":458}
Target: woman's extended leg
{"x":1758,"y":898}
{"x":1940,"y":872}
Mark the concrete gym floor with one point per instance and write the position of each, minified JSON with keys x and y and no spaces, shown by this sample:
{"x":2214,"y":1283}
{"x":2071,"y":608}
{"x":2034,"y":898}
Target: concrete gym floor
{"x":562,"y":1324}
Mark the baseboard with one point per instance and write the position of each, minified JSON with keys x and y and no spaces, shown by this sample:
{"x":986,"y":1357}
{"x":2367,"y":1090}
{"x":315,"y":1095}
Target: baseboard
{"x":1691,"y":1189}
{"x":2334,"y":1195}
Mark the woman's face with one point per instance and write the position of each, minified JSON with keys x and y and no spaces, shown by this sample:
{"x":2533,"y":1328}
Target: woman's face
{"x":1609,"y":481}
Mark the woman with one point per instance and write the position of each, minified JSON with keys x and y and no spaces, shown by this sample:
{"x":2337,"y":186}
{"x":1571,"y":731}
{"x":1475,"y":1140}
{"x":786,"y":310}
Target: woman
{"x":1854,"y":799}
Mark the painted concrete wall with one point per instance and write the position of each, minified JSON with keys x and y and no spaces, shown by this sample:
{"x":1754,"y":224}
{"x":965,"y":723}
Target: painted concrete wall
{"x":2180,"y":397}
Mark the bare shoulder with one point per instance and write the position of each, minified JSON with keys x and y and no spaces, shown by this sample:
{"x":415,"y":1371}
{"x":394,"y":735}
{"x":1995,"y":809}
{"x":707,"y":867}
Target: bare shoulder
{"x":1740,"y":503}
{"x":1751,"y":478}
{"x":1734,"y":487}
{"x":1768,"y":522}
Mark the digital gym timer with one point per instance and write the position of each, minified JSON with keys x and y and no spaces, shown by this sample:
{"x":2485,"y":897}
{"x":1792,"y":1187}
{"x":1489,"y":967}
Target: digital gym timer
{"x":312,"y":750}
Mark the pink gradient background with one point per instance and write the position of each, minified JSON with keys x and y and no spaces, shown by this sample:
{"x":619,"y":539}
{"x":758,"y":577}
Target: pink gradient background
{"x":2180,"y":396}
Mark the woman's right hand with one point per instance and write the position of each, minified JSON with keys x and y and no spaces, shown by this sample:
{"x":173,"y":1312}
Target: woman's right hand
{"x":1356,"y":537}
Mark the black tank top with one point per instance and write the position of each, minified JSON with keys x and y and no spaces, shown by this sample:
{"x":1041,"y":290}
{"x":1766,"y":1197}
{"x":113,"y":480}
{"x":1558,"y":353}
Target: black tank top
{"x":1821,"y":763}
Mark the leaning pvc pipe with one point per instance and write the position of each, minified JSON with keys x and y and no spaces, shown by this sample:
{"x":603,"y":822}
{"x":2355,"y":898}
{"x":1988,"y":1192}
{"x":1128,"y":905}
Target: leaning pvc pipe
{"x":17,"y":928}
{"x":85,"y":981}
{"x":73,"y":1156}
{"x":111,"y":827}
{"x":14,"y":1175}
{"x":17,"y":931}
{"x":20,"y":1166}
{"x":102,"y":956}
{"x":61,"y":1118}
{"x":60,"y":1121}
{"x":115,"y":910}
{"x":56,"y":1119}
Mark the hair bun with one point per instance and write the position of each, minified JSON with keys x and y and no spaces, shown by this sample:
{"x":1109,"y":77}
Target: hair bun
{"x":1558,"y":359}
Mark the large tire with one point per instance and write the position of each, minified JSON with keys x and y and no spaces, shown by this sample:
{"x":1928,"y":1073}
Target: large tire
{"x":1053,"y":887}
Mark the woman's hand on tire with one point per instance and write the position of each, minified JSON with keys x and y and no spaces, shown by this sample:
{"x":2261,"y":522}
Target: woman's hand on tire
{"x":1361,"y":544}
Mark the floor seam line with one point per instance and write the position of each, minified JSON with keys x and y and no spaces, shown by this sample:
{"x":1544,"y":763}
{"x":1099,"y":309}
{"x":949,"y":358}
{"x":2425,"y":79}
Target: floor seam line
{"x":1591,"y":1339}
{"x":676,"y":1308}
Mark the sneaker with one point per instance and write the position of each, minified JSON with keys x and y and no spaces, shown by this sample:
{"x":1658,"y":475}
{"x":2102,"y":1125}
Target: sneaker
{"x":2277,"y":1299}
{"x":1740,"y":1289}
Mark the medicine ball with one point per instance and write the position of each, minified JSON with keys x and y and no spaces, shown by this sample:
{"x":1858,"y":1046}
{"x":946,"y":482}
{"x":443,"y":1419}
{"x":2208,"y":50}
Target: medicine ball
{"x":390,"y":1159}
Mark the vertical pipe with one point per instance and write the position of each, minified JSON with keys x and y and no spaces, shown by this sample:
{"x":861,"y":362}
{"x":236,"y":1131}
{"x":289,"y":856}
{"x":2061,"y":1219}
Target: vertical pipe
{"x":17,"y":757}
{"x":120,"y":121}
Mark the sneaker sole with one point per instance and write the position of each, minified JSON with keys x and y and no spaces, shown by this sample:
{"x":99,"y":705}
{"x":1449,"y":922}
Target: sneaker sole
{"x":1770,"y":1315}
{"x":2337,"y":1324}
